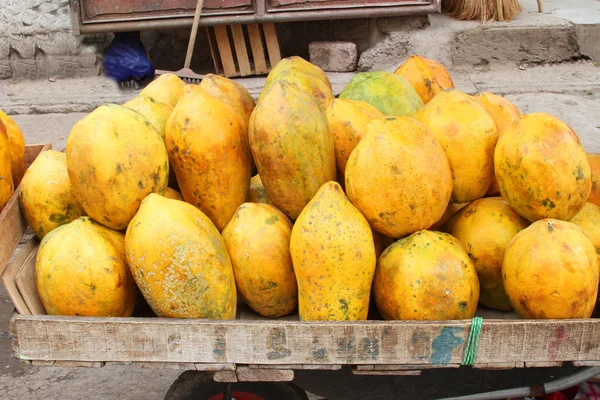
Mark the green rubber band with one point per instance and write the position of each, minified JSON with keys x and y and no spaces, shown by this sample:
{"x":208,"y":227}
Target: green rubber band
{"x":472,"y":342}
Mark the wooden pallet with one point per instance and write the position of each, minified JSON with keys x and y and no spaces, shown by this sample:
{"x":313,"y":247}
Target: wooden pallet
{"x":244,"y":50}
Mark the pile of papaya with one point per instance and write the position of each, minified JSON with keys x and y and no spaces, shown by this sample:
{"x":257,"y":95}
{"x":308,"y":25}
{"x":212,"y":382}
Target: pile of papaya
{"x":402,"y":198}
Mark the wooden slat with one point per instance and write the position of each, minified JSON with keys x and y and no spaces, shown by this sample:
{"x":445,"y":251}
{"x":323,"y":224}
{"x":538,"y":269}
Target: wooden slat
{"x":272,"y":43}
{"x":210,"y":34}
{"x":240,"y":50}
{"x":258,"y":51}
{"x":225,"y":376}
{"x":150,"y":365}
{"x":383,"y":372}
{"x":25,"y":257}
{"x":586,"y":363}
{"x":328,"y":367}
{"x":499,"y":366}
{"x":79,"y":364}
{"x":287,"y":342}
{"x":25,"y":281}
{"x":543,"y":364}
{"x":215,"y":367}
{"x":222,"y":38}
{"x":245,"y":374}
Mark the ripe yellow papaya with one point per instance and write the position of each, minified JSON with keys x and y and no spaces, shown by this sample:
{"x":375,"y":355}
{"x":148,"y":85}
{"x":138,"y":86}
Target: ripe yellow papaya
{"x":6,"y":180}
{"x":173,"y":194}
{"x":166,"y":89}
{"x":426,"y":276}
{"x":257,"y":192}
{"x":427,"y":76}
{"x":155,"y":112}
{"x":258,"y":243}
{"x":347,"y":121}
{"x":231,"y":93}
{"x":504,"y":113}
{"x":406,"y":166}
{"x":550,"y":271}
{"x":298,"y":63}
{"x":292,"y":146}
{"x":588,"y":219}
{"x":17,"y":148}
{"x":468,"y":135}
{"x":115,"y":158}
{"x":311,"y":85}
{"x":485,"y":227}
{"x":542,"y":168}
{"x":334,"y":258}
{"x":205,"y":141}
{"x":594,"y":160}
{"x":47,"y":197}
{"x":179,"y":261}
{"x":81,"y":270}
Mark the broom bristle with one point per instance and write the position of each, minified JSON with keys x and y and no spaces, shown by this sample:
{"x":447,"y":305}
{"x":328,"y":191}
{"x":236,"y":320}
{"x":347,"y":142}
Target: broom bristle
{"x":482,"y":10}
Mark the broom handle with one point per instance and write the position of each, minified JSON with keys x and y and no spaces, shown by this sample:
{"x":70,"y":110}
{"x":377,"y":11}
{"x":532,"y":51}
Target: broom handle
{"x":540,"y":6}
{"x":500,"y":10}
{"x":192,"y":42}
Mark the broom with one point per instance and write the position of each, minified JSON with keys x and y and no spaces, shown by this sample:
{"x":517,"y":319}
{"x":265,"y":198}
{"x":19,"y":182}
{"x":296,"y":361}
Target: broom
{"x":483,"y":10}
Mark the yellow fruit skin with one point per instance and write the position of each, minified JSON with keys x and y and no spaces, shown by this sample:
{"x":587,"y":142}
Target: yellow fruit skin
{"x":334,"y":258}
{"x":443,"y":224}
{"x":311,"y":85}
{"x":398,"y":176}
{"x":179,"y":261}
{"x":165,"y":89}
{"x":292,"y":147}
{"x":426,"y":76}
{"x":426,"y":276}
{"x":504,"y":113}
{"x":468,"y":135}
{"x":302,"y":65}
{"x":155,"y":112}
{"x":594,"y":160}
{"x":81,"y":270}
{"x":257,"y":192}
{"x":347,"y":121}
{"x":47,"y":197}
{"x":485,"y":227}
{"x":17,"y":147}
{"x":6,"y":180}
{"x":115,"y":158}
{"x":205,"y":141}
{"x":550,"y":271}
{"x":542,"y":169}
{"x":231,"y":93}
{"x":588,"y":219}
{"x":258,"y":243}
{"x":173,"y":194}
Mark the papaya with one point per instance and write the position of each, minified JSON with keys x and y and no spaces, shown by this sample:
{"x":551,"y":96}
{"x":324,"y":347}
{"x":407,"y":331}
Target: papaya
{"x":257,"y":192}
{"x":115,"y":158}
{"x":205,"y":141}
{"x":334,"y":258}
{"x":504,"y":113}
{"x":300,"y":64}
{"x":258,"y":243}
{"x":17,"y":148}
{"x":542,"y":168}
{"x":6,"y":180}
{"x":47,"y":198}
{"x":406,"y":166}
{"x":426,"y":276}
{"x":468,"y":135}
{"x":594,"y":160}
{"x":550,"y":271}
{"x":588,"y":219}
{"x":166,"y":89}
{"x":347,"y":121}
{"x":179,"y":261}
{"x":230,"y":92}
{"x":485,"y":227}
{"x":427,"y":76}
{"x":81,"y":270}
{"x":292,"y":147}
{"x":387,"y":92}
{"x":443,"y":224}
{"x":155,"y":112}
{"x":311,"y":85}
{"x":173,"y":194}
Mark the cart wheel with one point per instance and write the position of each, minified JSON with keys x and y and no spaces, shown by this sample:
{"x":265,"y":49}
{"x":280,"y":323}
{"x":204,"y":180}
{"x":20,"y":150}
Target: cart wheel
{"x":194,"y":385}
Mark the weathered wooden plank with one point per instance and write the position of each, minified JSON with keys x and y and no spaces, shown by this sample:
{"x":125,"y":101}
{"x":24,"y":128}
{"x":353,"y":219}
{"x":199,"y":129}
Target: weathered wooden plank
{"x":499,"y":366}
{"x":42,"y":363}
{"x":543,"y":364}
{"x":356,"y":371}
{"x":150,"y":365}
{"x":222,"y":37}
{"x":328,"y":367}
{"x":258,"y":51}
{"x":225,"y":376}
{"x":79,"y":364}
{"x":586,"y":363}
{"x":245,"y":374}
{"x":25,"y":280}
{"x":272,"y":43}
{"x":276,"y":366}
{"x":241,"y":52}
{"x":24,"y":258}
{"x":400,"y":367}
{"x":215,"y":367}
{"x":289,"y":342}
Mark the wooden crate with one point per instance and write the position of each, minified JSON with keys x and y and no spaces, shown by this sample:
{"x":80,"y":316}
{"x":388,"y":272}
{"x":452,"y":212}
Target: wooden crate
{"x":243,"y":50}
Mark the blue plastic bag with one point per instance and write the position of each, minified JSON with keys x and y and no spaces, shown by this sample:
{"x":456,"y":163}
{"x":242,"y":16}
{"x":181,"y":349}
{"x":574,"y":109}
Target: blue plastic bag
{"x":126,"y":58}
